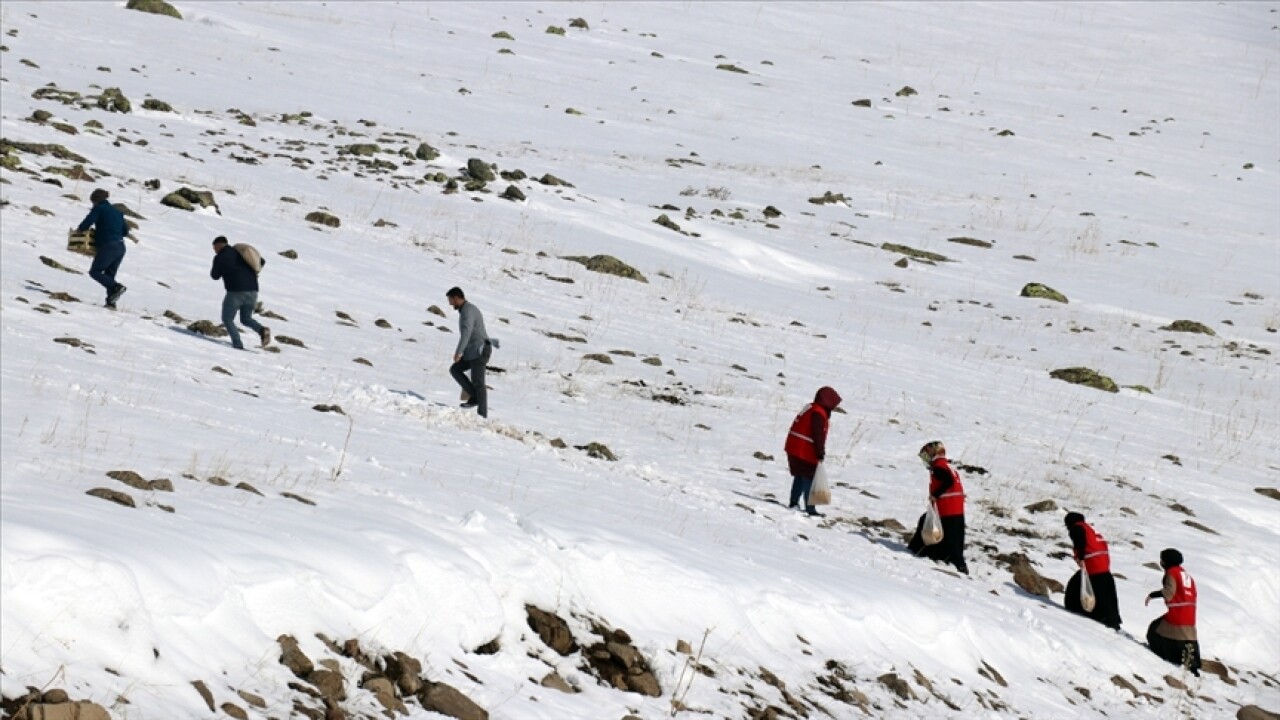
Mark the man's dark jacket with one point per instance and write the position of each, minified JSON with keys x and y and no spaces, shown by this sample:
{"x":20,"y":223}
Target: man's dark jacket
{"x":109,"y":227}
{"x":233,"y":271}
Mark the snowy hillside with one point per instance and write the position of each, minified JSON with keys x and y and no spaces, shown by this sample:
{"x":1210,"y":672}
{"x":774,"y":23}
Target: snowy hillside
{"x":851,"y":195}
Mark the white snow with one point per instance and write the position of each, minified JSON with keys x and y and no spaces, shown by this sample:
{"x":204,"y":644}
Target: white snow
{"x":441,"y":526}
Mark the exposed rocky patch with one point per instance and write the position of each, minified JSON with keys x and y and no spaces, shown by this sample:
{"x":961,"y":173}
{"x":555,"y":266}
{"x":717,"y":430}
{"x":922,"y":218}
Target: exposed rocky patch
{"x":1085,"y":376}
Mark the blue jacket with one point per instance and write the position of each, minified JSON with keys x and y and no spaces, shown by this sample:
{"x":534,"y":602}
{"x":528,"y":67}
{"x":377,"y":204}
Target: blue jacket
{"x":109,"y":227}
{"x":233,"y":271}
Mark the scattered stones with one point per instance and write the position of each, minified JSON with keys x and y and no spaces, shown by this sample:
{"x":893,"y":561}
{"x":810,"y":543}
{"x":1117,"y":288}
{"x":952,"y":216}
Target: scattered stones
{"x":321,"y":217}
{"x":579,"y":23}
{"x":1087,"y":377}
{"x":114,"y":496}
{"x":290,"y":254}
{"x":328,"y":408}
{"x":601,"y":358}
{"x":608,"y":265}
{"x":286,"y":340}
{"x":1189,"y":326}
{"x":512,"y":193}
{"x":299,"y":498}
{"x":155,"y":7}
{"x":730,"y":67}
{"x":157,"y":105}
{"x":865,"y":103}
{"x":620,"y":665}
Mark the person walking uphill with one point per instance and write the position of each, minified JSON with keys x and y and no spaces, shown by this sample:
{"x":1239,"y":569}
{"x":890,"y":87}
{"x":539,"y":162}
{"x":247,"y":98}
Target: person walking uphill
{"x":109,"y":229}
{"x":1172,"y":636}
{"x":947,"y":493}
{"x":473,"y":352}
{"x":240,"y":278}
{"x":807,"y":445}
{"x":1094,"y":557}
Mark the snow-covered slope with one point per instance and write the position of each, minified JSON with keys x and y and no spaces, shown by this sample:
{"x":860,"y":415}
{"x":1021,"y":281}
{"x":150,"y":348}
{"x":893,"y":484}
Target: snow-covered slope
{"x":1138,"y":177}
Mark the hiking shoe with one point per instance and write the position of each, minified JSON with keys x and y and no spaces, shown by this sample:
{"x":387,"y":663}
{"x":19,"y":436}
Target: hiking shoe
{"x":813,"y":513}
{"x":115,"y":294}
{"x":469,"y":404}
{"x":265,"y":335}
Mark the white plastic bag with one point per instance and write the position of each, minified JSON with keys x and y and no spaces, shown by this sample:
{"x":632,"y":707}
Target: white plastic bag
{"x":1087,"y":599}
{"x":820,"y":493}
{"x":931,"y":533}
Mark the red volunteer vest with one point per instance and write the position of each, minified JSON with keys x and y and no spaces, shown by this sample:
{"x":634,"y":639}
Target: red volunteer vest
{"x":952,"y":501}
{"x":799,"y":443}
{"x":1182,"y":606}
{"x":1097,"y":557}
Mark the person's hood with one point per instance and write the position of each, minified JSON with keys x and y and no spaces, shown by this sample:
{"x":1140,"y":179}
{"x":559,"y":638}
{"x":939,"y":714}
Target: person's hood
{"x":1073,"y":518}
{"x":828,"y":398}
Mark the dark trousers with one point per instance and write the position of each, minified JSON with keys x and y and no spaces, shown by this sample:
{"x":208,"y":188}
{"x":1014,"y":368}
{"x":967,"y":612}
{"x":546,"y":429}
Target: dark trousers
{"x":1106,"y":609}
{"x":1184,"y":653}
{"x":106,"y":262}
{"x":950,"y":550}
{"x":474,"y":386}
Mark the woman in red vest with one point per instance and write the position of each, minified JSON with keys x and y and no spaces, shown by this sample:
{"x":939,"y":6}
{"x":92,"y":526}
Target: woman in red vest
{"x":947,"y":493}
{"x":807,"y":445}
{"x":1172,"y":636}
{"x":1093,"y":555}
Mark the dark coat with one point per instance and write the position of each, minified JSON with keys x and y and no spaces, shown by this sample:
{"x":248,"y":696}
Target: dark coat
{"x":109,"y":227}
{"x":233,"y":271}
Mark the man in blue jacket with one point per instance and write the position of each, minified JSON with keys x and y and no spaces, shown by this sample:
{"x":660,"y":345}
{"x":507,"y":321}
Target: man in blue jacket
{"x":472,"y":353}
{"x":109,"y":229}
{"x":241,"y":281}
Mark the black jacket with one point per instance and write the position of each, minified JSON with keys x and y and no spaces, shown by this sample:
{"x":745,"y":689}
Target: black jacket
{"x":233,"y":271}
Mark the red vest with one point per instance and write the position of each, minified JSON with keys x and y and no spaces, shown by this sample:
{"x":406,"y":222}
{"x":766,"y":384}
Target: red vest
{"x":1097,"y":558}
{"x":952,"y":501}
{"x":799,"y":443}
{"x":1182,"y":606}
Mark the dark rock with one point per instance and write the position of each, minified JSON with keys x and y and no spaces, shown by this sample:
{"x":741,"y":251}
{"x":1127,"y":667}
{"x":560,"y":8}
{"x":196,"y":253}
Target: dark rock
{"x":290,"y":254}
{"x":1087,"y":377}
{"x":866,"y":103}
{"x":609,"y":265}
{"x":1272,"y":493}
{"x":480,"y":170}
{"x":114,"y":496}
{"x":155,"y":7}
{"x":553,"y":630}
{"x":234,"y":711}
{"x":972,"y":242}
{"x":405,"y":672}
{"x":552,"y":180}
{"x":579,"y":23}
{"x":898,"y":686}
{"x":555,"y":682}
{"x":1042,"y":506}
{"x":112,"y":100}
{"x":600,"y":451}
{"x":158,"y":106}
{"x":292,"y":657}
{"x":1189,"y":326}
{"x":1253,"y":712}
{"x":299,"y":498}
{"x":1044,"y":292}
{"x":426,"y":152}
{"x":601,"y":358}
{"x":447,"y":700}
{"x":321,"y":217}
{"x":1026,"y":577}
{"x":207,"y":328}
{"x":906,"y":91}
{"x":512,"y":193}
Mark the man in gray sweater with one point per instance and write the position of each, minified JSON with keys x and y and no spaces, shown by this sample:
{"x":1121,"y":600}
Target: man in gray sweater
{"x":472,"y":353}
